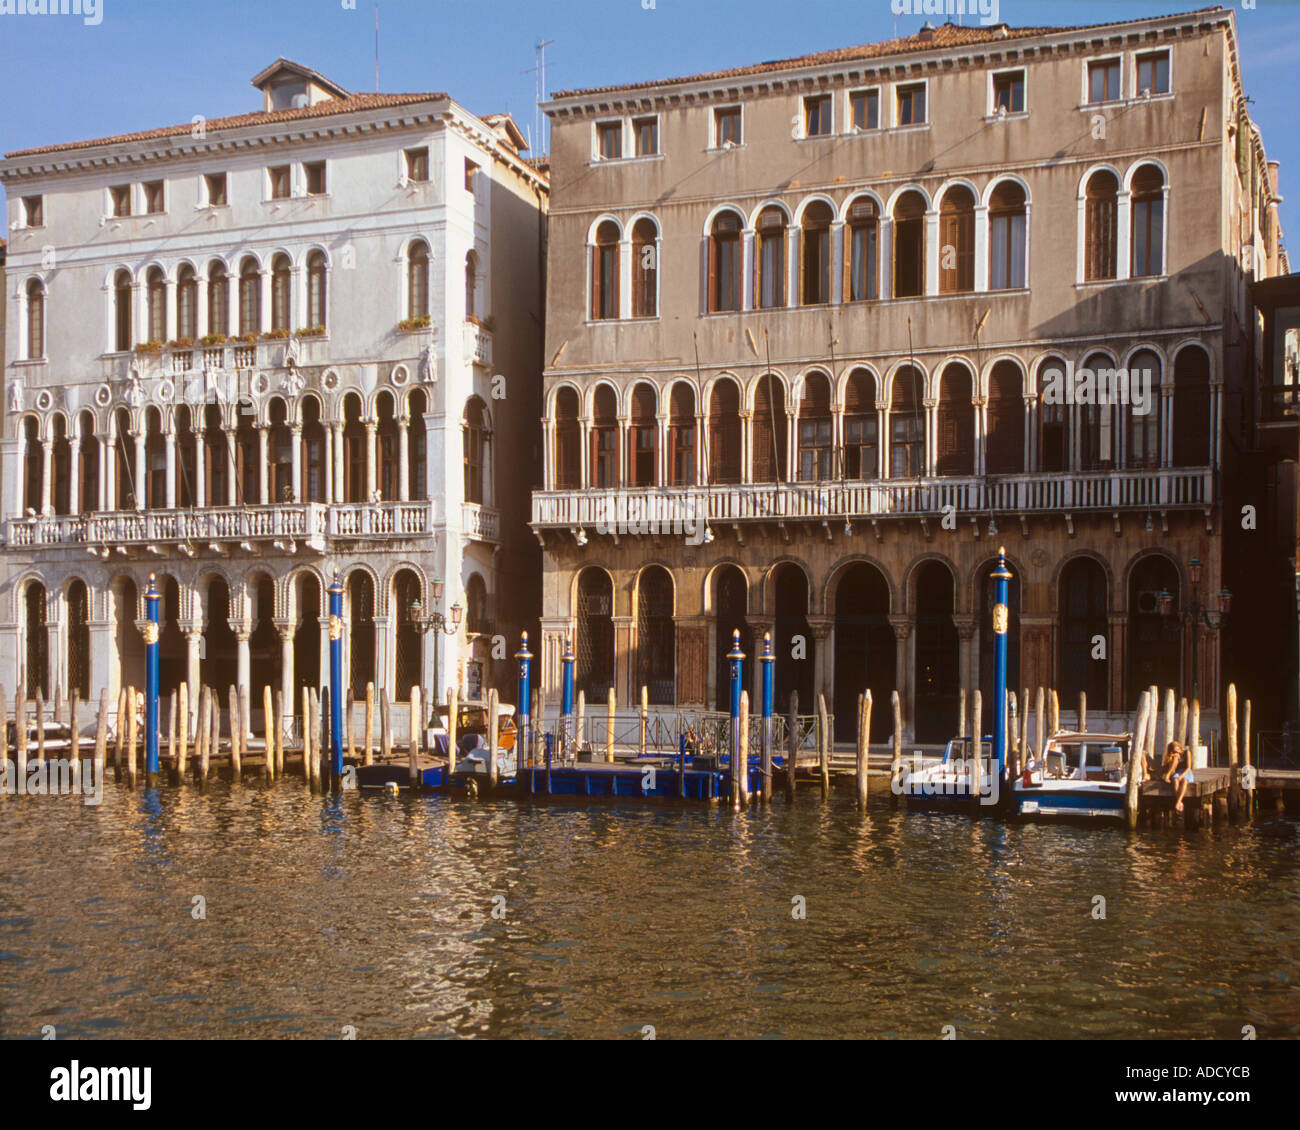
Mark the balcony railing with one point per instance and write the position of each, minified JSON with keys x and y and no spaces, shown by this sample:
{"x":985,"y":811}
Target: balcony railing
{"x":478,"y":344}
{"x":311,"y":523}
{"x":1009,"y":494}
{"x":482,"y":522}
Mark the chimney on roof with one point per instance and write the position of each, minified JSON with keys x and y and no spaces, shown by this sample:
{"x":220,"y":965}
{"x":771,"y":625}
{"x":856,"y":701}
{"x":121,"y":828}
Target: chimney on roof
{"x":927,"y":32}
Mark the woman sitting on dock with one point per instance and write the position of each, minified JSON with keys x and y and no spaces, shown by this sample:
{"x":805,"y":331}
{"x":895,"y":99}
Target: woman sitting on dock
{"x":1177,"y":769}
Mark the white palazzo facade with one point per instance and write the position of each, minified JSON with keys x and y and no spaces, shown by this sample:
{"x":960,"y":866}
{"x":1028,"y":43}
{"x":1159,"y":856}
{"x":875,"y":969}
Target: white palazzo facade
{"x":249,"y":352}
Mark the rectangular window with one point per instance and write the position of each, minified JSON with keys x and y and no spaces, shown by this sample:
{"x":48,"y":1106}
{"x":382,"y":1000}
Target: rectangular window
{"x":817,"y":115}
{"x":34,"y":211}
{"x":1009,"y":92}
{"x":814,"y":450}
{"x":216,"y":184}
{"x":643,"y":455}
{"x":646,"y":132}
{"x":417,"y":165}
{"x":906,"y":444}
{"x":315,"y":174}
{"x":1103,"y":81}
{"x":279,"y":175}
{"x":121,"y":197}
{"x":865,"y":108}
{"x":605,"y":462}
{"x":911,"y":104}
{"x":860,"y":447}
{"x":1153,"y":72}
{"x":1007,"y":260}
{"x":726,"y":127}
{"x":609,"y":140}
{"x":153,"y":197}
{"x":471,"y":172}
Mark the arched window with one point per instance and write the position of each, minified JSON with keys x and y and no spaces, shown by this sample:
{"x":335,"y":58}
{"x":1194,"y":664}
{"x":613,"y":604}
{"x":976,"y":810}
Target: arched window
{"x":724,"y":263}
{"x":604,"y":439}
{"x":1101,"y":221}
{"x":645,"y":269}
{"x":474,"y":436}
{"x":907,"y":424}
{"x":248,"y":457}
{"x":769,"y":259}
{"x":724,"y":433}
{"x":417,"y":456}
{"x":386,"y":437}
{"x":1154,"y":641}
{"x":218,"y":299}
{"x":33,"y":465}
{"x":280,"y":452}
{"x":216,"y":457}
{"x":250,"y":297}
{"x":123,"y":336}
{"x":408,"y":655}
{"x":1097,"y":426}
{"x":471,"y":284}
{"x":124,"y":471}
{"x":1192,"y":407}
{"x":313,"y":451}
{"x":815,"y":253}
{"x":1142,"y":410}
{"x":955,"y":423}
{"x":656,"y":642}
{"x":476,"y":605}
{"x":156,"y":293}
{"x":60,"y":466}
{"x":957,"y":241}
{"x":155,"y":461}
{"x":1053,"y":418}
{"x":1005,"y":443}
{"x":316,"y":315}
{"x":281,"y":293}
{"x":417,"y":279}
{"x":1007,"y":237}
{"x":38,"y":643}
{"x":187,"y":455}
{"x":861,"y":427}
{"x":361,"y":630}
{"x":816,"y":445}
{"x":568,"y":441}
{"x":354,"y":450}
{"x":909,"y":245}
{"x":1148,"y":210}
{"x":605,"y":272}
{"x":88,"y":457}
{"x":769,"y":431}
{"x":187,"y":303}
{"x":937,"y":650}
{"x":35,"y":319}
{"x":681,"y":436}
{"x":643,"y":438}
{"x":79,"y":639}
{"x":864,"y":227}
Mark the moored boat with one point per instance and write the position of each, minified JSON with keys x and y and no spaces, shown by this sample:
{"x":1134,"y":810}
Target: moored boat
{"x":946,"y":783}
{"x":1080,"y":776}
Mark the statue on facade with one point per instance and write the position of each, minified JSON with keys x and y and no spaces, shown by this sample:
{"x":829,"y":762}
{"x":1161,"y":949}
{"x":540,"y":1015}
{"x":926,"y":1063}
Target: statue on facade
{"x":292,"y":354}
{"x":16,"y":395}
{"x":428,"y":365}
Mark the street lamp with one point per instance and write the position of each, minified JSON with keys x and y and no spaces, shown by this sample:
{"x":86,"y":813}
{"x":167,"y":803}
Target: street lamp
{"x":435,"y":622}
{"x":1196,"y":613}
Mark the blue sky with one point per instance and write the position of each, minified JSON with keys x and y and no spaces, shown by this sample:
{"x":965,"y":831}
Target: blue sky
{"x":158,"y":62}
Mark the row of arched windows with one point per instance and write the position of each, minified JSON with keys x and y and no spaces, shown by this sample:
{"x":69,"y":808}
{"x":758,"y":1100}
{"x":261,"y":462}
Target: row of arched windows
{"x":670,"y":438}
{"x":817,"y":255}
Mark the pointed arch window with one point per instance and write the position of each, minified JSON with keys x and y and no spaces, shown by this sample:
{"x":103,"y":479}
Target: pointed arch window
{"x":156,"y":295}
{"x":218,"y":299}
{"x":316,"y":289}
{"x":250,"y":297}
{"x":187,"y":303}
{"x":122,"y":334}
{"x":35,"y":319}
{"x":281,"y":289}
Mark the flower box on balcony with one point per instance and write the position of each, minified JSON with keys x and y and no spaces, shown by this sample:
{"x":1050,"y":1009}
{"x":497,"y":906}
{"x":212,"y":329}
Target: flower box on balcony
{"x":245,"y":339}
{"x":275,"y":335}
{"x":311,"y":331}
{"x":180,"y":344}
{"x":212,"y":339}
{"x":410,"y":325}
{"x":149,"y":347}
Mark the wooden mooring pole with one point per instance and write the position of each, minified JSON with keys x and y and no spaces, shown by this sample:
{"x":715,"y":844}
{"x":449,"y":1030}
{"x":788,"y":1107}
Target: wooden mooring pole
{"x":368,"y":753}
{"x":609,"y":727}
{"x":1135,"y":761}
{"x":131,"y":735}
{"x":792,"y":745}
{"x":1040,"y":722}
{"x":864,"y":736}
{"x":269,"y":728}
{"x":896,"y":761}
{"x":413,"y":760}
{"x":182,"y":731}
{"x":1234,"y":783}
{"x":1249,"y":797}
{"x":101,"y":735}
{"x":236,"y":736}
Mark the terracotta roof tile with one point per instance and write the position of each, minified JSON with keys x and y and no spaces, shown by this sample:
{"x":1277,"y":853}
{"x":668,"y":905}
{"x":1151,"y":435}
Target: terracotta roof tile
{"x":946,"y":35}
{"x":327,"y":108}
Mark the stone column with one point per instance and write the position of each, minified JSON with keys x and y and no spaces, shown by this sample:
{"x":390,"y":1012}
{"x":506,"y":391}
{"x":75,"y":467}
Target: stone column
{"x":228,"y":453}
{"x":169,"y":438}
{"x":837,"y":258}
{"x":263,"y":464}
{"x":929,"y":432}
{"x":372,"y":431}
{"x":584,"y":426}
{"x":193,"y":646}
{"x":822,"y":628}
{"x":242,"y":633}
{"x":746,"y":445}
{"x":108,"y":481}
{"x":661,"y":449}
{"x":200,"y":471}
{"x":968,"y":658}
{"x":140,"y":470}
{"x":700,"y":467}
{"x":104,"y":464}
{"x":286,"y":632}
{"x":903,"y":675}
{"x":296,"y":445}
{"x":1115,"y":663}
{"x":980,"y":404}
{"x":625,"y":676}
{"x":74,"y":474}
{"x":404,"y":459}
{"x":337,"y":431}
{"x":47,"y":474}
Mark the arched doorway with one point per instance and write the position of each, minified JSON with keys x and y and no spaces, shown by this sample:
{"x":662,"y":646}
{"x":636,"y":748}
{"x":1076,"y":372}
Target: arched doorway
{"x":79,"y":639}
{"x":937,"y":700}
{"x":408,"y":654}
{"x":1083,"y":606}
{"x":37,"y":669}
{"x":306,"y":638}
{"x":264,"y":642}
{"x":656,"y":636}
{"x":130,"y":643}
{"x":864,"y":651}
{"x":1154,"y":641}
{"x":172,"y":652}
{"x":219,"y":665}
{"x":731,"y":610}
{"x":360,"y":614}
{"x":594,"y":646}
{"x":792,"y":639}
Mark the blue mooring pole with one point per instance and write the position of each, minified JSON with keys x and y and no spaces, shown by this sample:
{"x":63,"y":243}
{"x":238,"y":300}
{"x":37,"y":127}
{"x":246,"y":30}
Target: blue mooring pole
{"x":566,"y":703}
{"x":768,"y":660}
{"x":151,"y":683}
{"x":736,"y":664}
{"x":336,"y":680}
{"x":524,"y":657}
{"x":1001,"y":575}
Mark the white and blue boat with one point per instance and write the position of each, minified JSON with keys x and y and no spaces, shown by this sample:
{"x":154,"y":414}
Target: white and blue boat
{"x":1080,"y":776}
{"x":946,"y":783}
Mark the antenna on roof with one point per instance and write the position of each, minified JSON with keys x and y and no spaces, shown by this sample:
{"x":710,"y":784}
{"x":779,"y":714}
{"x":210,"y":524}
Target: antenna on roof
{"x":540,"y":84}
{"x":376,"y":48}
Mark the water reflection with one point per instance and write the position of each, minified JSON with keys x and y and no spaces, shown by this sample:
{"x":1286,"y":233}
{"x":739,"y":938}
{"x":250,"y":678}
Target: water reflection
{"x":378,"y":912}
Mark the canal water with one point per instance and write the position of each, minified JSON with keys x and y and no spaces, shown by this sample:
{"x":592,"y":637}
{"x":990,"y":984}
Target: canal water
{"x":272,"y":913}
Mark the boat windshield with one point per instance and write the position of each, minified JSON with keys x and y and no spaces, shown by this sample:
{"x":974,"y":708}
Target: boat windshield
{"x":1082,"y":760}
